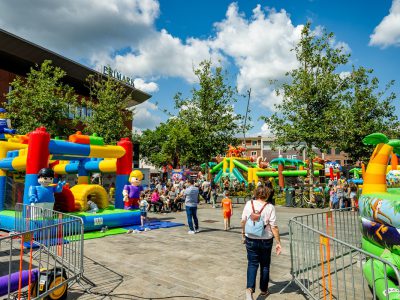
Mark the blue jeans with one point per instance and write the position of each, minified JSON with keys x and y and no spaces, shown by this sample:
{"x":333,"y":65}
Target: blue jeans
{"x":258,"y":254}
{"x":191,"y":212}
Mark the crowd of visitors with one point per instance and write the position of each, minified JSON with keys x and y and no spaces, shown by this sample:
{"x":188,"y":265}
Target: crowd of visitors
{"x":342,"y":194}
{"x":170,"y":196}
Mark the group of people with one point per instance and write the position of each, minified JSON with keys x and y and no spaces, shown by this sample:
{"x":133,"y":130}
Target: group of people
{"x":258,"y":220}
{"x":342,"y":194}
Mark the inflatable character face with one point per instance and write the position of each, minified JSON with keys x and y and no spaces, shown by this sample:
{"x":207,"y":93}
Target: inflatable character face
{"x":45,"y":177}
{"x":136,"y":178}
{"x":379,"y":205}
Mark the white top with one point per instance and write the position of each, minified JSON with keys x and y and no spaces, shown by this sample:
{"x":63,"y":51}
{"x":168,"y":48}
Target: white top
{"x":205,"y":185}
{"x":143,"y":205}
{"x":268,"y":215}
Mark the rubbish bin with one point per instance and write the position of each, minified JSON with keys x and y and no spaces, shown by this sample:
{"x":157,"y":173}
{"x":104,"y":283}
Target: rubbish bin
{"x":289,"y":194}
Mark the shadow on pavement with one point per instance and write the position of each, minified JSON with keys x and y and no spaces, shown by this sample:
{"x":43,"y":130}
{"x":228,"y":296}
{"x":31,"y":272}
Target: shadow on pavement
{"x":100,"y":282}
{"x":290,"y":287}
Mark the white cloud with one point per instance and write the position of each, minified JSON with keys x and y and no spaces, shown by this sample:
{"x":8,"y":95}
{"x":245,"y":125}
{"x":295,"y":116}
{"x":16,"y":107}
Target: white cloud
{"x":80,"y":28}
{"x":387,"y":33}
{"x":145,"y":116}
{"x":261,"y":47}
{"x":122,"y":34}
{"x":148,"y":87}
{"x":161,"y":54}
{"x":265,"y":131}
{"x":344,"y":74}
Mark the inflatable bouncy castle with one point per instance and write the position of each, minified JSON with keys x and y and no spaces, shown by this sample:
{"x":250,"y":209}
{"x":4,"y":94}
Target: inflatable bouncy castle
{"x":380,"y":217}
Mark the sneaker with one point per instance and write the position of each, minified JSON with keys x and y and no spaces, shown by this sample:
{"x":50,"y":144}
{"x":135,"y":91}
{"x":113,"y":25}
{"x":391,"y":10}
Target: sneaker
{"x":197,"y":230}
{"x":136,"y":231}
{"x":103,"y":229}
{"x":191,"y":232}
{"x":249,"y":294}
{"x":147,"y":229}
{"x":130,"y":231}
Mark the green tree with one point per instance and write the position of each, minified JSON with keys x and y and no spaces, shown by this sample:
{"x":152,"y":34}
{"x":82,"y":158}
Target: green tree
{"x":367,"y":109}
{"x":209,"y":115}
{"x":41,"y":99}
{"x":168,"y":144}
{"x":108,"y":103}
{"x":311,"y":99}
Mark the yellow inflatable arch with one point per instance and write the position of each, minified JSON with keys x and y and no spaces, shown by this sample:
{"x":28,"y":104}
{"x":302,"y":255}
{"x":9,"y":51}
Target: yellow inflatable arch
{"x":82,"y":191}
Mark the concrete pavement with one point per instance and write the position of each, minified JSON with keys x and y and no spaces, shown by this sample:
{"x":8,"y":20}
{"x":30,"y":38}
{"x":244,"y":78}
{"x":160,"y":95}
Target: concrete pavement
{"x":171,"y":264}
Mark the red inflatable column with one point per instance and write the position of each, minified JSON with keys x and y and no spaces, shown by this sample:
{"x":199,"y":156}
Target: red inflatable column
{"x":37,"y":158}
{"x":331,"y":175}
{"x":124,"y":168}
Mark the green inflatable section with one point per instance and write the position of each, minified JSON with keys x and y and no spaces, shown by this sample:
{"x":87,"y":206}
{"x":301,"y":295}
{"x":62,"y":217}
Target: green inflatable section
{"x":374,"y":272}
{"x":240,"y":165}
{"x":216,"y":168}
{"x":293,"y":173}
{"x":218,"y":176}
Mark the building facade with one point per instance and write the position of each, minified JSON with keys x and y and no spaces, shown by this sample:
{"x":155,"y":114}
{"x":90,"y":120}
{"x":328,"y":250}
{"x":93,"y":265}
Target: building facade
{"x":18,"y":56}
{"x":253,"y":146}
{"x":269,"y":152}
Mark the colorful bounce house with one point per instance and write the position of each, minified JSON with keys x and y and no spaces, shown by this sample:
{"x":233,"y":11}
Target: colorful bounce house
{"x":380,"y":217}
{"x":236,"y":166}
{"x":80,"y":154}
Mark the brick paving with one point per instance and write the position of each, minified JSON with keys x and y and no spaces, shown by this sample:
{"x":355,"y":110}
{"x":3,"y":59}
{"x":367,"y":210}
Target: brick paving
{"x":170,"y":264}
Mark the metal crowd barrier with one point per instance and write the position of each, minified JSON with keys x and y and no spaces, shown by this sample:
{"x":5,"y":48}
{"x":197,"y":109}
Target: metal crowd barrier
{"x":43,"y":256}
{"x":327,"y":260}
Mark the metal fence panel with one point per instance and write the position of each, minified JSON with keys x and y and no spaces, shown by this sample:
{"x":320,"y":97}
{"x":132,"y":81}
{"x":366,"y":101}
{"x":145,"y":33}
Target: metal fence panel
{"x":326,"y":259}
{"x":43,"y":255}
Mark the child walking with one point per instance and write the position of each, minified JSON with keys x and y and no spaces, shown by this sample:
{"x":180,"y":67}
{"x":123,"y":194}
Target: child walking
{"x":227,"y":210}
{"x":143,"y":205}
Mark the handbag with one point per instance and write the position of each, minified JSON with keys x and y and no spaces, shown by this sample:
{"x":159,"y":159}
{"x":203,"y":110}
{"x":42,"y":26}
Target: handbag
{"x":255,"y":224}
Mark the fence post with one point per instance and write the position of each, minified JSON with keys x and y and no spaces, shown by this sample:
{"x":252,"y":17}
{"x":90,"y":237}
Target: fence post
{"x":324,"y":241}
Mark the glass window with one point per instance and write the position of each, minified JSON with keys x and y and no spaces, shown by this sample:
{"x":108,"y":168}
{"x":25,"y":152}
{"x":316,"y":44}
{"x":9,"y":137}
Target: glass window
{"x":70,"y":111}
{"x":253,"y":153}
{"x":84,"y":112}
{"x":254,"y":143}
{"x":337,"y":151}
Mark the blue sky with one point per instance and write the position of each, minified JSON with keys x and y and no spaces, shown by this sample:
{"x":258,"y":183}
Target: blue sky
{"x":158,"y":42}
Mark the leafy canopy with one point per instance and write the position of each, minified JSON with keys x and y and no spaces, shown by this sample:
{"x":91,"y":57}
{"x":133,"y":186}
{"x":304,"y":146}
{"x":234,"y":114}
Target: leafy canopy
{"x":41,"y":99}
{"x":168,"y":144}
{"x":108,"y":102}
{"x":366,"y":109}
{"x":208,"y":114}
{"x":203,"y":127}
{"x":311,"y":99}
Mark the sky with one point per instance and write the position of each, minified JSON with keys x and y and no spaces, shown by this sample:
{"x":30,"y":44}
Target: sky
{"x":159,"y":42}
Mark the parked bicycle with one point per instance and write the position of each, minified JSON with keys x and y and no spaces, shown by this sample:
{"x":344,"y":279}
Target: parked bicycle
{"x":302,"y":198}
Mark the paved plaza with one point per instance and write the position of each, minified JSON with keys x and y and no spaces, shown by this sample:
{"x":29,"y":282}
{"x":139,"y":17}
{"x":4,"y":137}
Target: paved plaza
{"x":171,"y":264}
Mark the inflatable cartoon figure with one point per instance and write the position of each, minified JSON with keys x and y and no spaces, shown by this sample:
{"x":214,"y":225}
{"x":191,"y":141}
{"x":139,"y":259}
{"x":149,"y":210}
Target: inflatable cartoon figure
{"x":5,"y":124}
{"x":380,"y":218}
{"x":43,"y":194}
{"x":132,"y":192}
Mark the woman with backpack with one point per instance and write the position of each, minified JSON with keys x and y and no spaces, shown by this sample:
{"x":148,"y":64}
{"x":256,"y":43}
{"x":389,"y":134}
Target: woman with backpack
{"x":259,"y":228}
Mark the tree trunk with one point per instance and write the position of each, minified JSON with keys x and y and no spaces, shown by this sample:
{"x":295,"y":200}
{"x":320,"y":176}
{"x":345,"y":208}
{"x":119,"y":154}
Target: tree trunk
{"x":311,"y":178}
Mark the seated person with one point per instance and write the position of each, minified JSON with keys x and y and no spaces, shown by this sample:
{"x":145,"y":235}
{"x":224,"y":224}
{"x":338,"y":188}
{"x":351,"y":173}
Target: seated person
{"x":91,"y":206}
{"x":155,"y":201}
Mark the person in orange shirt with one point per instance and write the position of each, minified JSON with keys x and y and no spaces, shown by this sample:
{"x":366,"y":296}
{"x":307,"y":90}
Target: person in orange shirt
{"x":227,"y":211}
